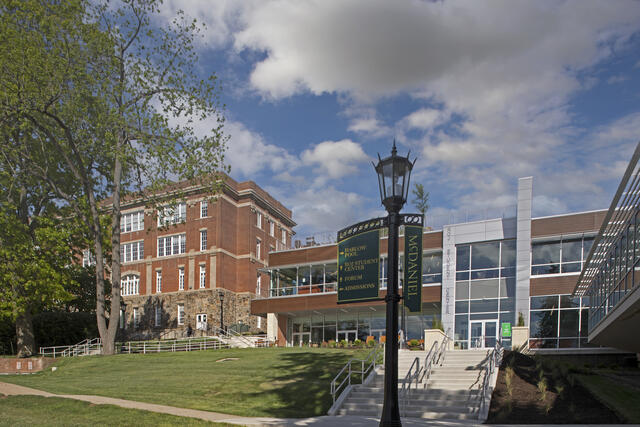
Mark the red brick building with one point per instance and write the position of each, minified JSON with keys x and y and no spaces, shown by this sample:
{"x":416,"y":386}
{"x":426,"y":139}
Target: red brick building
{"x":177,"y":262}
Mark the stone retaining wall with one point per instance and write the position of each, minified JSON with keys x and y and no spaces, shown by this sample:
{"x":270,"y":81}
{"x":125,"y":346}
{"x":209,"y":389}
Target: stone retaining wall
{"x":14,"y":365}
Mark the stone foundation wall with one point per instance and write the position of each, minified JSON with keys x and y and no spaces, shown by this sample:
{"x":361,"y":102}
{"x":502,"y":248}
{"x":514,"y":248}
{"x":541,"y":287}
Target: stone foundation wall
{"x":205,"y":301}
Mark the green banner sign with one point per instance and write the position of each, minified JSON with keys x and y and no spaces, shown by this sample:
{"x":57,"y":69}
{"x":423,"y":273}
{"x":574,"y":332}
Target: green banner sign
{"x":412,"y":285}
{"x":506,"y":330}
{"x":359,"y":267}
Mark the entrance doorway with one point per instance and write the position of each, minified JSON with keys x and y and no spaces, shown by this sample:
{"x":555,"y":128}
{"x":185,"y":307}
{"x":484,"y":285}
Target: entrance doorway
{"x":484,"y":333}
{"x":347,"y":335}
{"x":301,"y":338}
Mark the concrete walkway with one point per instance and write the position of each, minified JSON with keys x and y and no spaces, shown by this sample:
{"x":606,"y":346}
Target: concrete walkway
{"x":324,"y":421}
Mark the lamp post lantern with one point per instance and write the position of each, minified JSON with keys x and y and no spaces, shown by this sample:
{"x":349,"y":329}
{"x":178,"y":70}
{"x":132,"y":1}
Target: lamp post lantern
{"x":394,"y":173}
{"x":221,"y":296}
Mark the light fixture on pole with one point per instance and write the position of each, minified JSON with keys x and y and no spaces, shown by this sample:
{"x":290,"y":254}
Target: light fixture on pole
{"x":221,"y":296}
{"x":394,"y":173}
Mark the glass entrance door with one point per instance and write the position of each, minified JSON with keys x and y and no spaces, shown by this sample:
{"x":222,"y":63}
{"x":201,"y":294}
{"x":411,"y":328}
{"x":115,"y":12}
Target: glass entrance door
{"x":349,"y":336}
{"x":484,"y":333}
{"x":301,"y":338}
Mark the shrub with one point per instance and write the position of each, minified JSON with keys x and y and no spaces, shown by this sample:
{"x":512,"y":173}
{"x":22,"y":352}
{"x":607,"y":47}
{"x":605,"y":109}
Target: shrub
{"x":437,"y":324}
{"x":508,"y":380}
{"x":343,"y":343}
{"x":520,"y":319}
{"x":414,"y":343}
{"x":324,"y":344}
{"x":63,"y":328}
{"x":357,"y":343}
{"x":542,"y":388}
{"x":332,"y":344}
{"x":371,"y":343}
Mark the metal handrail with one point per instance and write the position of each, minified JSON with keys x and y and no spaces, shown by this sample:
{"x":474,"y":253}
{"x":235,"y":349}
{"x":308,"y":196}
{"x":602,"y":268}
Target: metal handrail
{"x":489,"y":368}
{"x":230,"y":334}
{"x":408,"y":380}
{"x":369,"y":361}
{"x":84,"y":347}
{"x":428,"y":362}
{"x":184,"y":344}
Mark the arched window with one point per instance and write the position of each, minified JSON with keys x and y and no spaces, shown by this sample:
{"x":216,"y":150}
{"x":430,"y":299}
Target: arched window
{"x":130,"y":285}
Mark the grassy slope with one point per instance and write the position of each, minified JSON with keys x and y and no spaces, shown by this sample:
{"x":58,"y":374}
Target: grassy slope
{"x":54,"y":411}
{"x":273,"y":382}
{"x":622,"y":399}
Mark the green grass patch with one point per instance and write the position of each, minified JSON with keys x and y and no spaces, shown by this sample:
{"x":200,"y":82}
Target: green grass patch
{"x":623,"y":400}
{"x":271,"y":382}
{"x":56,"y":411}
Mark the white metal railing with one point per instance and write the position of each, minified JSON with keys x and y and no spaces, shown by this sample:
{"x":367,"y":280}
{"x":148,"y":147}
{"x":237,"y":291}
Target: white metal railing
{"x":304,"y":290}
{"x":366,"y":365}
{"x":83,"y":348}
{"x":492,"y":361}
{"x":412,"y":375}
{"x":185,"y":344}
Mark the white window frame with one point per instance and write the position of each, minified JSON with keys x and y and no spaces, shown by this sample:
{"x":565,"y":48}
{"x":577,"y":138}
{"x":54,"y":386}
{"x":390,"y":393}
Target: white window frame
{"x":181,"y":278}
{"x":158,"y":281}
{"x":203,"y":276}
{"x":203,"y":240}
{"x":175,"y":244}
{"x":132,"y":221}
{"x":258,"y":245}
{"x":180,"y":314}
{"x":172,"y":215}
{"x":136,"y":318}
{"x":132,"y":251}
{"x":204,"y":209}
{"x":87,"y":258}
{"x":284,"y":236}
{"x":259,"y":322}
{"x":272,"y":228}
{"x":158,"y":316}
{"x":129,"y":285}
{"x":259,"y":219}
{"x":259,"y":285}
{"x":201,"y":321}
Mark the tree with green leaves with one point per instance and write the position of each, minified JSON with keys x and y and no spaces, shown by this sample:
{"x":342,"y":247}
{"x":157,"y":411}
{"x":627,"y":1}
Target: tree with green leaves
{"x":114,"y":96}
{"x":421,"y":198}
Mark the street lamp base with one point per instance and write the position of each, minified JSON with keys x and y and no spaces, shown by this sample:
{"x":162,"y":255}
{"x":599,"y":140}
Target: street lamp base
{"x":390,"y":423}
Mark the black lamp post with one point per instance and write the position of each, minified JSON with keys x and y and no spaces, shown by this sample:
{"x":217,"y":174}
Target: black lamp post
{"x":221,"y":295}
{"x":393,"y":179}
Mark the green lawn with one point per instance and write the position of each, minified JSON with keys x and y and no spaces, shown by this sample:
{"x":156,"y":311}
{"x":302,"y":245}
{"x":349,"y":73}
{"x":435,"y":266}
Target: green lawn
{"x":624,"y":400}
{"x":272,"y":382}
{"x":55,"y":411}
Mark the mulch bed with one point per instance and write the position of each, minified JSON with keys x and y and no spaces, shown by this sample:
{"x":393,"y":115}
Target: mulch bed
{"x":575,"y":405}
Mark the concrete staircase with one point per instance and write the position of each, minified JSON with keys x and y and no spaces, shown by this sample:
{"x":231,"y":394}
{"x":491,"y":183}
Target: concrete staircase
{"x":451,"y":392}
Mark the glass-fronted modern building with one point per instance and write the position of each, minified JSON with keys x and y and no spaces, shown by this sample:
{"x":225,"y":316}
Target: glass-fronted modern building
{"x":477,"y":276}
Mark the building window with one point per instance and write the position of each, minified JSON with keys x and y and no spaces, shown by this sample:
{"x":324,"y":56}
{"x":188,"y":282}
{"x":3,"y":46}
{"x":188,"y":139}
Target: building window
{"x":181,"y":278}
{"x":558,"y":321}
{"x":258,"y":219}
{"x":259,"y":322}
{"x":272,"y":228}
{"x":121,"y":319}
{"x":132,"y":251}
{"x":158,"y":281}
{"x":258,"y":285}
{"x":132,"y":222}
{"x":136,"y":317}
{"x":172,"y":245}
{"x":284,"y":237}
{"x":201,"y":321}
{"x":180,"y":314}
{"x":203,"y":240}
{"x":203,"y":276}
{"x":258,"y":248}
{"x":129,"y":285}
{"x":432,"y":268}
{"x":559,"y":255}
{"x":158,"y":315}
{"x":204,"y":209}
{"x":172,"y":215}
{"x":87,"y":258}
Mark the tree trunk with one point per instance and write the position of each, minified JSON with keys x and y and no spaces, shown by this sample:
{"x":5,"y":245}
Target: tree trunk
{"x":24,"y":334}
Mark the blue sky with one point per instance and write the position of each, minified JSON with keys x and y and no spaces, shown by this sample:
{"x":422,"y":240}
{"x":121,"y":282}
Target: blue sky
{"x":482,"y":92}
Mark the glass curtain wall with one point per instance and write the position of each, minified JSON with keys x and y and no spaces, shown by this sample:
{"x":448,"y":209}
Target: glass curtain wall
{"x":484,"y":292}
{"x":559,"y":255}
{"x":559,"y":321}
{"x":304,"y":279}
{"x":349,"y":326}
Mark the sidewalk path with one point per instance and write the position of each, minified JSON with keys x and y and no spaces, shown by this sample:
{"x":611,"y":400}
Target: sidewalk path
{"x":324,"y":421}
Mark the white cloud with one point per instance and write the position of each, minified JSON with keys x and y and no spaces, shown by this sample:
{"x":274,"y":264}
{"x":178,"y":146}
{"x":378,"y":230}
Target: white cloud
{"x":617,"y":79}
{"x":334,"y":159}
{"x":426,"y":118}
{"x":248,"y":153}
